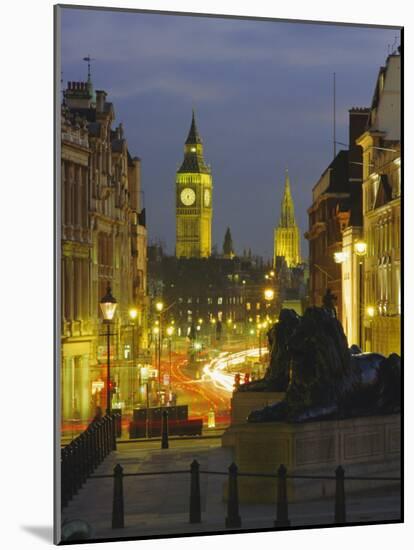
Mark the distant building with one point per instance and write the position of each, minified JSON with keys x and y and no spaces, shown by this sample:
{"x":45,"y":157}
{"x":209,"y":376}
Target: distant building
{"x":286,"y":236}
{"x":103,"y":242}
{"x":382,"y":213}
{"x":213,"y":292}
{"x":194,"y":209}
{"x":228,"y":248}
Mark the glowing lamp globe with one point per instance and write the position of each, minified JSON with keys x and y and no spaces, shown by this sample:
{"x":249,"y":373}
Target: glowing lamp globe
{"x":360,"y":248}
{"x":108,"y":305}
{"x":133,"y":313}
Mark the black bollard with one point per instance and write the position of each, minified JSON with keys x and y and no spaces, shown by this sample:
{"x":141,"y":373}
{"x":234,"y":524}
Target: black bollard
{"x":340,"y":509}
{"x":195,"y":504}
{"x":282,"y":513}
{"x":164,"y":430}
{"x":233,"y":519}
{"x":118,"y":500}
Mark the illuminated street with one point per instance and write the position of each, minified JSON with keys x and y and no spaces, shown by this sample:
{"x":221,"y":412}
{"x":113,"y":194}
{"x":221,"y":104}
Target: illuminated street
{"x":208,"y":386}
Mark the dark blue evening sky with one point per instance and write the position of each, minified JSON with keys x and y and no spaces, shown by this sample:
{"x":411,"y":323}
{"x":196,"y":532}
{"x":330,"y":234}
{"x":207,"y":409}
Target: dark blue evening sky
{"x":262,"y":91}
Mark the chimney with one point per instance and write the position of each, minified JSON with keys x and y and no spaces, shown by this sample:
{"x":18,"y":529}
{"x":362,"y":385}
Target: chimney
{"x":100,"y":100}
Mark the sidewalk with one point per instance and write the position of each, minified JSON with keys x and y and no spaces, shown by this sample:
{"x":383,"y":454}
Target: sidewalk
{"x":159,"y":504}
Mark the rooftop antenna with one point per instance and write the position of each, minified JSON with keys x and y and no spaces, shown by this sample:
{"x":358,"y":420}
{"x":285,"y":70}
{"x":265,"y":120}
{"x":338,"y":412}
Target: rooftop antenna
{"x":88,"y":58}
{"x":334,"y":115}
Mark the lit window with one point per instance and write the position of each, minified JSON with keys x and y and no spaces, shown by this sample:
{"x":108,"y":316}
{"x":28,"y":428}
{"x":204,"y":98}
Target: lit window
{"x":220,"y":300}
{"x":248,"y":306}
{"x":258,"y":305}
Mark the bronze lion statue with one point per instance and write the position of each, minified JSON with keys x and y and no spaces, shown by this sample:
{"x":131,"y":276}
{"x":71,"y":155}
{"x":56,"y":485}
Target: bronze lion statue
{"x":323,"y":379}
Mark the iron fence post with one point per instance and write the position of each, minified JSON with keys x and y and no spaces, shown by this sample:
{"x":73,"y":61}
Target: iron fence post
{"x":118,"y":499}
{"x":340,"y":508}
{"x":164,"y":428}
{"x":282,"y":512}
{"x":195,"y":504}
{"x":233,"y":519}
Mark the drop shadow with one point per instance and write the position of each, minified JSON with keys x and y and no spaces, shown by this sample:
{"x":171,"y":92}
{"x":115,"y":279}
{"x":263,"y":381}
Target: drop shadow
{"x":43,"y":532}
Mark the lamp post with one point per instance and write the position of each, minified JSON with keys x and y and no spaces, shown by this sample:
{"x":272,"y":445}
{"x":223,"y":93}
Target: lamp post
{"x":159,"y":306}
{"x":108,"y":306}
{"x":170,"y":332}
{"x":133,"y":314}
{"x":360,"y":249}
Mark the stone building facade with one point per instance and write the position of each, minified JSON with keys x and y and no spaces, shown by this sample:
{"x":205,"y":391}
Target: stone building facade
{"x":382,"y":212}
{"x":104,"y":242}
{"x":335,"y":200}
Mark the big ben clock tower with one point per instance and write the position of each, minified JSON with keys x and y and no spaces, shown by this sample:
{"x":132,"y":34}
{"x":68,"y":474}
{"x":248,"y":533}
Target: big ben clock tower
{"x":193,"y":209}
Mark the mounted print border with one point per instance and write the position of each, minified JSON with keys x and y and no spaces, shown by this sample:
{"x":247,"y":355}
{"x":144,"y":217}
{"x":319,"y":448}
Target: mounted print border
{"x":228,"y":274}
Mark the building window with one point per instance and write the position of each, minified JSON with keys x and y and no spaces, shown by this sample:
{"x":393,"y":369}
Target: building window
{"x":219,"y":300}
{"x":248,"y":306}
{"x":258,"y":305}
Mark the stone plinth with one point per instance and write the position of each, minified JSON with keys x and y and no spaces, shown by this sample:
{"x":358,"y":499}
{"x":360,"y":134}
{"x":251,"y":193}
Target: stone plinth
{"x":242,"y":403}
{"x":368,"y":446}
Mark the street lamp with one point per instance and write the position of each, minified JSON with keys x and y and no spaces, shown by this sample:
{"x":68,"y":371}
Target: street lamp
{"x":370,"y":311}
{"x":133,"y":313}
{"x":170,"y":332}
{"x":108,"y":306}
{"x":360,"y":249}
{"x":159,"y":306}
{"x":269,"y":294}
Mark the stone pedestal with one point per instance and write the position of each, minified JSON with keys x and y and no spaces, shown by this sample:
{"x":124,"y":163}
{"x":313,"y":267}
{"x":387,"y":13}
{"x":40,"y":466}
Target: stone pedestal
{"x":242,"y":403}
{"x":368,"y":446}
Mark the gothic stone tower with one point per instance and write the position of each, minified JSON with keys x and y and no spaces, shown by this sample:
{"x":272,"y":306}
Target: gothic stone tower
{"x":287,"y":242}
{"x":194,"y":210}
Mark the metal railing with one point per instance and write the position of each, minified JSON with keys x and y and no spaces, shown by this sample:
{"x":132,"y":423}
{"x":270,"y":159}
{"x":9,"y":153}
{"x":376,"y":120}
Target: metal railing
{"x":233,"y":518}
{"x":83,"y":454}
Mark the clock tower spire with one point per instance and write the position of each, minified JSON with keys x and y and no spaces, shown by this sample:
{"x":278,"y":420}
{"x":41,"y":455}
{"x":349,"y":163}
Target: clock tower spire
{"x":193,"y":207}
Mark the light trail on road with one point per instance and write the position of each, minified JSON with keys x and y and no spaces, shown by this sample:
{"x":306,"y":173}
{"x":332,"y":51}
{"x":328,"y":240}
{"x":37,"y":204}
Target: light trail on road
{"x":217,"y":370}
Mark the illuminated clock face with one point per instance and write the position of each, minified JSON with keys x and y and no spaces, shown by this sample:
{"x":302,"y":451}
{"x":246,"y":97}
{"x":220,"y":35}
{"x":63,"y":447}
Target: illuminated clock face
{"x":187,"y":196}
{"x":207,"y":197}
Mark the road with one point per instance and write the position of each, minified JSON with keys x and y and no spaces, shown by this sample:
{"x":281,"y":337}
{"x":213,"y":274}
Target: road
{"x":204,"y":387}
{"x":209,"y":385}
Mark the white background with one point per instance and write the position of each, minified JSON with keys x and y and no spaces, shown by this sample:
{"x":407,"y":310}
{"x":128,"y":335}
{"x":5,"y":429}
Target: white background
{"x":26,"y":297}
